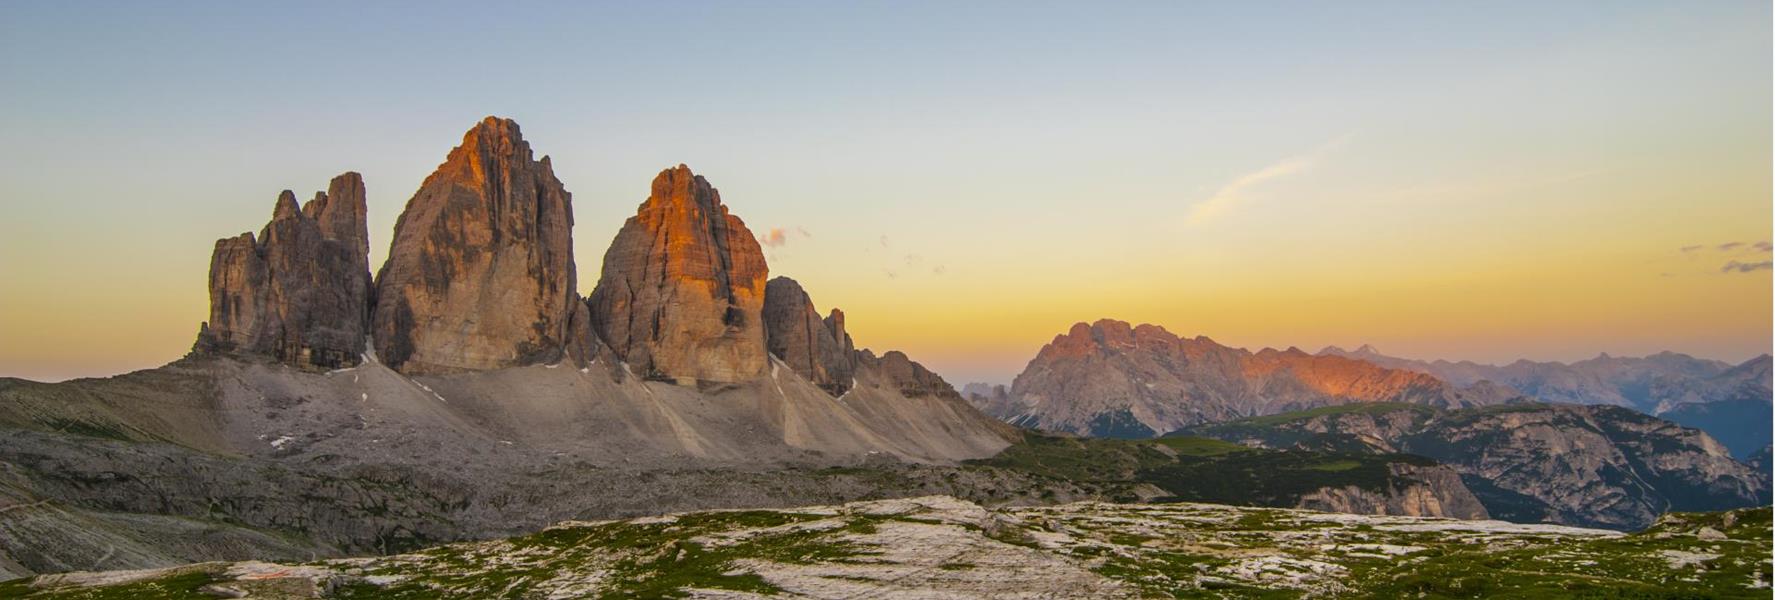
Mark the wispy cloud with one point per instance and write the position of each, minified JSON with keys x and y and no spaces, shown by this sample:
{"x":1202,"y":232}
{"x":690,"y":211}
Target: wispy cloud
{"x":775,"y":238}
{"x":1235,"y":191}
{"x":1746,"y":267}
{"x":1740,"y":248}
{"x":778,"y":236}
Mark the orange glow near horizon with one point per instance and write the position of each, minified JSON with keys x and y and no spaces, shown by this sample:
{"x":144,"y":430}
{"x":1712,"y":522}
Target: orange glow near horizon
{"x":1439,"y":180}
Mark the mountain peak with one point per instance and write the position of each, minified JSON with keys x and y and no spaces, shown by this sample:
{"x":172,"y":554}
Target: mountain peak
{"x":299,"y":292}
{"x":681,"y":296}
{"x":489,"y":218}
{"x":286,"y":207}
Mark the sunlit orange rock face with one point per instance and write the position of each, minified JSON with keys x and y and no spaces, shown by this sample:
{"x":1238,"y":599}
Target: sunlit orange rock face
{"x":1110,"y":378}
{"x":300,"y":291}
{"x":682,"y":291}
{"x":480,"y":274}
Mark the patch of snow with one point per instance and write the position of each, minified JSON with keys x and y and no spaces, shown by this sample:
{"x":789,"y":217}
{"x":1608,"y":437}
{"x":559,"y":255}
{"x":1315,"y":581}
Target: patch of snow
{"x":281,"y":441}
{"x":428,"y":391}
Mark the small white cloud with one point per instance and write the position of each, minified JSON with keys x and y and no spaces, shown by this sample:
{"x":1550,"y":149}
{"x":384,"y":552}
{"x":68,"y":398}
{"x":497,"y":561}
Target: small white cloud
{"x":1234,"y":192}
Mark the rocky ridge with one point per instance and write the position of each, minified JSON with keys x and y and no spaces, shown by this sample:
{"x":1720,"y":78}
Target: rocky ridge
{"x":1111,"y":379}
{"x":300,"y":291}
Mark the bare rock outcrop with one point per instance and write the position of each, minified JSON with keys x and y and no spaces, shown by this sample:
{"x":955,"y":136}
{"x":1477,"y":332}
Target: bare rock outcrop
{"x":817,"y":349}
{"x":681,"y":296}
{"x":480,"y":274}
{"x":300,"y":291}
{"x":1422,"y":491}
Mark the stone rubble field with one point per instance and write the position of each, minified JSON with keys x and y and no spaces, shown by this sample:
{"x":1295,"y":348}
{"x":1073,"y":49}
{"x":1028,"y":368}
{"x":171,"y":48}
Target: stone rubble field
{"x":941,"y":547}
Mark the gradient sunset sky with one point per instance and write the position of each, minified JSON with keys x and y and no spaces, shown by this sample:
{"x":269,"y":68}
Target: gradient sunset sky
{"x":1473,"y":180}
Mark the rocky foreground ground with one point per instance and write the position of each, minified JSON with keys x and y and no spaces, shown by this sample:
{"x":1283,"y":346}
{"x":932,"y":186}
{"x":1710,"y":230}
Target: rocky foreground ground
{"x":941,"y":547}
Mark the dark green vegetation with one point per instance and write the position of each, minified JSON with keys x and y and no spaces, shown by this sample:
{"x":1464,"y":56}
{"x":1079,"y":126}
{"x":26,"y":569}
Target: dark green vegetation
{"x":1199,"y":469}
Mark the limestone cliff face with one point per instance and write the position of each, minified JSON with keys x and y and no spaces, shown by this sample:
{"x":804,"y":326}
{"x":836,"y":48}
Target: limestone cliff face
{"x":1428,"y":491}
{"x":682,"y":293}
{"x":300,"y":291}
{"x":1598,"y":466}
{"x":480,"y":274}
{"x":815,"y":348}
{"x":1112,"y":379}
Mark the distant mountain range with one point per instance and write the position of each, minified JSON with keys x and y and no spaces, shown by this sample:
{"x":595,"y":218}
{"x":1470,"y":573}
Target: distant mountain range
{"x":1110,"y":378}
{"x":1732,"y":402}
{"x":1561,"y":457}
